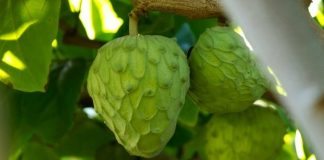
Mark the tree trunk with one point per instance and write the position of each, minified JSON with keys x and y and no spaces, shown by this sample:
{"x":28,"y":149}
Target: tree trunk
{"x":287,"y":39}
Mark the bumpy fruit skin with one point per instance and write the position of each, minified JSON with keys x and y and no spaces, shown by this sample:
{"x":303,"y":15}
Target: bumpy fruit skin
{"x":256,"y":133}
{"x":224,"y":75}
{"x":138,"y":85}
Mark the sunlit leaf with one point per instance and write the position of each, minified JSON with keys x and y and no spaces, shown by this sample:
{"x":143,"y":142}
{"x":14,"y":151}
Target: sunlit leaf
{"x":288,"y":151}
{"x":99,"y":19}
{"x":299,"y":145}
{"x":315,"y":7}
{"x":311,"y":157}
{"x":75,"y":5}
{"x":320,"y":14}
{"x":27,"y":30}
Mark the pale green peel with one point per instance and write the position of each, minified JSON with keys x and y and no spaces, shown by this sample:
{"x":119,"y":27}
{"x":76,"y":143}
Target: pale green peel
{"x":138,"y":84}
{"x":224,"y":75}
{"x":256,"y":133}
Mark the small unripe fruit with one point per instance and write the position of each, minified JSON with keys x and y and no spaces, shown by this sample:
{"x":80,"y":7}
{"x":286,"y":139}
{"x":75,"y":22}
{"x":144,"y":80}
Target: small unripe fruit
{"x":138,"y":85}
{"x":256,"y":133}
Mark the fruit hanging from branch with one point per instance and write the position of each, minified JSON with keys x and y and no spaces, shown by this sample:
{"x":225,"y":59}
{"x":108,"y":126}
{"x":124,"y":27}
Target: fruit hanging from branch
{"x":224,"y":74}
{"x":138,"y":84}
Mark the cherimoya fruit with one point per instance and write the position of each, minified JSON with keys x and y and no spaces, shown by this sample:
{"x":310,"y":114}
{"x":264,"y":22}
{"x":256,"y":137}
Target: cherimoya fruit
{"x":223,"y":72}
{"x":138,"y":85}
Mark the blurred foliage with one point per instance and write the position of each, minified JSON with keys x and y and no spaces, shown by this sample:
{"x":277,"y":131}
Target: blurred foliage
{"x":319,"y":13}
{"x":48,"y":115}
{"x":51,"y":124}
{"x":26,"y":57}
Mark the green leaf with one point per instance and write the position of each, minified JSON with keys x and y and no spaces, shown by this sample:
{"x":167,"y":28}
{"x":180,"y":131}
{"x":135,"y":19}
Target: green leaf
{"x":159,"y":24}
{"x":99,"y":19}
{"x":8,"y":102}
{"x":288,"y":149}
{"x":61,"y":101}
{"x":189,"y":114}
{"x":84,"y":139}
{"x":128,"y":2}
{"x":122,"y":8}
{"x":199,"y":26}
{"x":181,"y":136}
{"x":191,"y":149}
{"x":68,"y":18}
{"x":48,"y":115}
{"x":114,"y":152}
{"x":27,"y":30}
{"x":168,"y":153}
{"x":38,"y":151}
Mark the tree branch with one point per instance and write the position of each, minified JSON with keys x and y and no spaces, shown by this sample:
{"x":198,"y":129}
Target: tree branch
{"x":82,"y":41}
{"x":189,"y":8}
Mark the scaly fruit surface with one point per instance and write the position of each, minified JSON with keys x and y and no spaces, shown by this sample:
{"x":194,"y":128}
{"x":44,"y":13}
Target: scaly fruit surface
{"x":224,"y":75}
{"x":256,"y":133}
{"x":138,"y":85}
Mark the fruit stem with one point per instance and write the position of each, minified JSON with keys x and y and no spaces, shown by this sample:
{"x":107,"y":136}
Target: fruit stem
{"x":133,"y":23}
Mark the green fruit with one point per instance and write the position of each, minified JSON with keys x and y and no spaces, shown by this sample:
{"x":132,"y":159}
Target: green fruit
{"x":256,"y":133}
{"x":224,"y":75}
{"x":138,"y":85}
